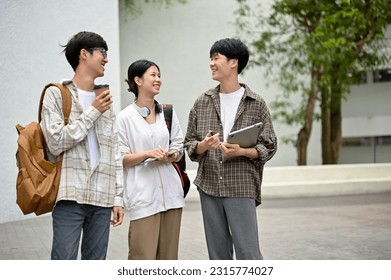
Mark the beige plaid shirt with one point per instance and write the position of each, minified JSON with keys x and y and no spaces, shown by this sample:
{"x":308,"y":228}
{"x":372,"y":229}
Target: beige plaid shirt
{"x":240,"y":176}
{"x":102,"y":186}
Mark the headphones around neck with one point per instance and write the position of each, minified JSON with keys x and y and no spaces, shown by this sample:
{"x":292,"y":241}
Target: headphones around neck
{"x":143,"y":111}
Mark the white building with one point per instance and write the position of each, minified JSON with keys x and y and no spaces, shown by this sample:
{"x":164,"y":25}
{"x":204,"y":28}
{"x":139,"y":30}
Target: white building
{"x":30,"y":56}
{"x":366,"y":123}
{"x":177,"y":38}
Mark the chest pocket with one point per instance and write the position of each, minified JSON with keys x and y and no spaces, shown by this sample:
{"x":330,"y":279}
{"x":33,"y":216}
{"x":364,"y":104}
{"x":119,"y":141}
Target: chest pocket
{"x":105,"y":124}
{"x":249,"y":116}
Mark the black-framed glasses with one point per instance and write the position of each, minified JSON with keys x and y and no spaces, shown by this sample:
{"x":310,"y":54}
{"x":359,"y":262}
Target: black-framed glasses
{"x":102,"y":50}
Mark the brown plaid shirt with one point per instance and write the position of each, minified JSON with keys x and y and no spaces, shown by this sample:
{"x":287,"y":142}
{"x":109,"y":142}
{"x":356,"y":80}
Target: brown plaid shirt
{"x":240,"y":176}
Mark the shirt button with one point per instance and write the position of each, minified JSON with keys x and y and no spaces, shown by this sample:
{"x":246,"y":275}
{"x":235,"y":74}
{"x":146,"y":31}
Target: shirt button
{"x":221,"y":178}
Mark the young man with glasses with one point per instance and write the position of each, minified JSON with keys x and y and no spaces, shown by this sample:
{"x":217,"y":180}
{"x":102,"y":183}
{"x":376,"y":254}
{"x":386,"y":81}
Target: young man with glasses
{"x":91,"y":185}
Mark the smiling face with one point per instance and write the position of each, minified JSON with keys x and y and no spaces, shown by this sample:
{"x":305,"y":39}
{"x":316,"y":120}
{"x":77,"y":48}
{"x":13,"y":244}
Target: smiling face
{"x":96,"y":60}
{"x":222,"y":67}
{"x":150,"y":82}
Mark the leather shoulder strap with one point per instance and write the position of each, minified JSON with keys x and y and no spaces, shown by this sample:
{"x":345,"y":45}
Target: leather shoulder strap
{"x":66,"y":101}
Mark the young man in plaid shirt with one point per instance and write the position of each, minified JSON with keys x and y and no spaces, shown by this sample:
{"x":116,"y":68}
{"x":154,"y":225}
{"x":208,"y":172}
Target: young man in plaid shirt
{"x":229,"y":177}
{"x":91,"y":186}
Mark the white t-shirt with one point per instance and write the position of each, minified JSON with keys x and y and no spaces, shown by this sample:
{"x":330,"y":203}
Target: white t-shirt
{"x":86,"y":98}
{"x":229,"y":103}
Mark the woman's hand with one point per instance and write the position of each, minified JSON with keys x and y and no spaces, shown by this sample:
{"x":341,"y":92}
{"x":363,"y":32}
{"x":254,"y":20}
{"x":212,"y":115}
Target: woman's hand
{"x":172,"y":155}
{"x":158,"y":153}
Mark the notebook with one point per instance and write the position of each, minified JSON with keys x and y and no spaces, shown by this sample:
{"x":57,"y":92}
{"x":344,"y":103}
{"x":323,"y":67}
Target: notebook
{"x":246,"y":137}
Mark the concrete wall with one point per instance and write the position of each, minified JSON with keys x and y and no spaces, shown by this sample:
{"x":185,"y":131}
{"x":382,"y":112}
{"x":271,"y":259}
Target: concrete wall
{"x":178,"y":39}
{"x":30,"y":57}
{"x":319,"y":180}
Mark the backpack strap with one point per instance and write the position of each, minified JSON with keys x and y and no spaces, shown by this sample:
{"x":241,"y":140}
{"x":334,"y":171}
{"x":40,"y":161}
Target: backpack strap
{"x":66,"y":101}
{"x":167,"y":109}
{"x":180,"y":166}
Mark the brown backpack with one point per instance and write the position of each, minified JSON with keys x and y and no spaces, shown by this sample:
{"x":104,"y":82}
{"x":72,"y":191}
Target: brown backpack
{"x":38,"y":179}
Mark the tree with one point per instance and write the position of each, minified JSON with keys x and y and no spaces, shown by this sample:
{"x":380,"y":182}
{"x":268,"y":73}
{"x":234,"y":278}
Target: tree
{"x":319,"y":48}
{"x":131,"y":6}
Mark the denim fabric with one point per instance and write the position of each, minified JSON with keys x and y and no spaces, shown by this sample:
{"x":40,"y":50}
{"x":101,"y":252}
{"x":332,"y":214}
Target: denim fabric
{"x":70,"y":220}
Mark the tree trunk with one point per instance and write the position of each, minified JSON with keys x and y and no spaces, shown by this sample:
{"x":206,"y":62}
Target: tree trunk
{"x":336,"y":125}
{"x":304,"y":134}
{"x":302,"y":143}
{"x":326,"y":129}
{"x":331,"y":122}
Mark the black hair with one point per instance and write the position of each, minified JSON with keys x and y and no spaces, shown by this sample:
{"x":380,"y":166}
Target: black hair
{"x":138,"y":69}
{"x":232,"y":49}
{"x":82,"y":40}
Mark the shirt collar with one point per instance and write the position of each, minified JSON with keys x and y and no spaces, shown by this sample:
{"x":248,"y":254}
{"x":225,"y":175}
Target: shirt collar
{"x":247,"y":91}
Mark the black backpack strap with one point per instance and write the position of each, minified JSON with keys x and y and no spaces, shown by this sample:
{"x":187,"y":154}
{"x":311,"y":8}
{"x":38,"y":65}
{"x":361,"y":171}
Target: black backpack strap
{"x":167,"y":109}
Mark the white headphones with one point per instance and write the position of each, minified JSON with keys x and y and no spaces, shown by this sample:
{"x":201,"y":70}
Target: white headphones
{"x":143,"y":111}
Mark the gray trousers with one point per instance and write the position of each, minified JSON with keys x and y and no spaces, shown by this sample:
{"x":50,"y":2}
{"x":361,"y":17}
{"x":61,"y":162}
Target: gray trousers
{"x":70,"y":219}
{"x":230,"y":223}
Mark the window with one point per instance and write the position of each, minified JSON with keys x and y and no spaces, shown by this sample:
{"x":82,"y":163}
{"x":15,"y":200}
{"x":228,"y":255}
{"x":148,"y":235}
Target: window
{"x":384,"y":140}
{"x":359,"y":77}
{"x":356,"y":141}
{"x":366,"y":141}
{"x":382,"y":75}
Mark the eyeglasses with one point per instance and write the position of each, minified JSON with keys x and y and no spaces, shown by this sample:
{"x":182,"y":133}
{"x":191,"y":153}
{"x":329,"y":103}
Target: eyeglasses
{"x":102,"y":50}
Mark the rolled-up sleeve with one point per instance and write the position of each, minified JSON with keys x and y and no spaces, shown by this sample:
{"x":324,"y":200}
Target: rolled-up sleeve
{"x":267,"y":140}
{"x":191,"y":139}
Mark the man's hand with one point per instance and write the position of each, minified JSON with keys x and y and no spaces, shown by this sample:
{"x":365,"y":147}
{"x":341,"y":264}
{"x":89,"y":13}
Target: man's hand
{"x":103,"y":101}
{"x":234,"y":150}
{"x":231,"y":150}
{"x":210,"y":142}
{"x":118,"y":216}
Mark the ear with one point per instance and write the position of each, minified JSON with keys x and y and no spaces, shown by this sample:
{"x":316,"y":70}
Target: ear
{"x":83,"y":54}
{"x":137,"y":80}
{"x":234,"y":63}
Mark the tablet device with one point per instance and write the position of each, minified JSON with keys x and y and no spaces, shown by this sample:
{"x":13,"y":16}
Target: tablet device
{"x":246,"y":137}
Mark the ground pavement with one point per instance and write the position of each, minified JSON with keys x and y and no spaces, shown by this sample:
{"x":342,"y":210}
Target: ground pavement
{"x":319,"y":228}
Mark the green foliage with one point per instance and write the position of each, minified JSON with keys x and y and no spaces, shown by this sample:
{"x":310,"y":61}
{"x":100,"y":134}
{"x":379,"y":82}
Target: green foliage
{"x":133,"y":6}
{"x":314,"y":45}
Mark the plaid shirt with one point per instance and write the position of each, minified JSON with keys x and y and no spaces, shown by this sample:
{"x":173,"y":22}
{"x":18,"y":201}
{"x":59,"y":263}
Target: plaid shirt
{"x":240,"y":176}
{"x":102,"y":186}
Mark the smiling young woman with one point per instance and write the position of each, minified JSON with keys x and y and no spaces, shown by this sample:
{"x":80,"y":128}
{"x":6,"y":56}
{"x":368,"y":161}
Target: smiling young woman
{"x":153,"y":190}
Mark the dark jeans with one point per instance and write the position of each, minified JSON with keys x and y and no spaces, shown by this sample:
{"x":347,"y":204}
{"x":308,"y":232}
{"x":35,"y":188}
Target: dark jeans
{"x":70,"y":219}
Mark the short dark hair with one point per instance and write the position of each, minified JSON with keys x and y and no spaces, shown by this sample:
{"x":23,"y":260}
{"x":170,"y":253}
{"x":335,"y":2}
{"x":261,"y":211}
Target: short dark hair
{"x":232,"y":49}
{"x":82,"y":40}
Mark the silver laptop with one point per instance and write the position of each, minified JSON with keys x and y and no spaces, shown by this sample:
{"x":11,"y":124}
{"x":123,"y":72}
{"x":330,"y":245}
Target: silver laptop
{"x":246,"y":137}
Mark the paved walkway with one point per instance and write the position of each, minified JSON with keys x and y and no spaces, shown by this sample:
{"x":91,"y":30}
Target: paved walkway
{"x":343,"y":228}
